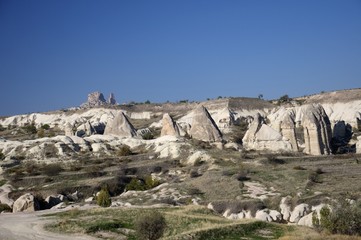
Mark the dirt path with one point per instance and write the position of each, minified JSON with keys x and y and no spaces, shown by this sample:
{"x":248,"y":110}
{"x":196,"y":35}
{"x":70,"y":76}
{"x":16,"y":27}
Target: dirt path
{"x":29,"y":226}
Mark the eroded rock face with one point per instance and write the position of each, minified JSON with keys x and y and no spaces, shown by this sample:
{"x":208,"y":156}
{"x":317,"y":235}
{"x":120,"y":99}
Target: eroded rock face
{"x":288,"y":131}
{"x":120,"y":126}
{"x":26,"y":203}
{"x":169,"y":126}
{"x":68,"y":129}
{"x":85,"y":130}
{"x":95,"y":99}
{"x":203,"y":126}
{"x":300,"y":211}
{"x":317,"y":130}
{"x":262,"y":137}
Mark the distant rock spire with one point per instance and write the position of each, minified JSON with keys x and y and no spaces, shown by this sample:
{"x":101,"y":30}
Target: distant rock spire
{"x":111,"y":99}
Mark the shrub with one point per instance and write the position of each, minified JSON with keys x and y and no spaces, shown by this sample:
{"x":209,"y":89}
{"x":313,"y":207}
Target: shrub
{"x":52,"y":169}
{"x":124,"y":151}
{"x":284,"y":99}
{"x":344,"y":218}
{"x":299,"y":168}
{"x":2,"y":128}
{"x":135,"y":184}
{"x":150,"y":226}
{"x":103,"y":198}
{"x":45,"y":126}
{"x":148,"y":136}
{"x":41,"y":133}
{"x":30,"y":129}
{"x":4,"y":208}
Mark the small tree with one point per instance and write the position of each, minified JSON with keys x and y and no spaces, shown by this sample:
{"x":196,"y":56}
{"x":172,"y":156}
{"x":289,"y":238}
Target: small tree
{"x":103,"y":198}
{"x":150,"y":226}
{"x":124,"y":151}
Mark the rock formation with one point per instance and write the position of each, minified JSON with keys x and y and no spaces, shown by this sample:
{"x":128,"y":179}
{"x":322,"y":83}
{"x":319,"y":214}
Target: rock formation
{"x":169,"y":126}
{"x":288,"y":131}
{"x":317,"y":130}
{"x":26,"y":203}
{"x":120,"y":126}
{"x":85,"y":129}
{"x":68,"y":129}
{"x":358,"y":145}
{"x":203,"y":126}
{"x":111,"y":99}
{"x":95,"y":99}
{"x":262,"y":137}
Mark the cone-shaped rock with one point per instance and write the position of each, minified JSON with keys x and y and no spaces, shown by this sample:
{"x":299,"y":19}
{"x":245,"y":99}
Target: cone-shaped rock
{"x":317,"y":130}
{"x":203,"y":126}
{"x":120,"y":126}
{"x":169,"y":126}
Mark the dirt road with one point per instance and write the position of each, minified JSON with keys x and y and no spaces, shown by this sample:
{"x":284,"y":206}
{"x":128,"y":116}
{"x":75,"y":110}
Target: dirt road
{"x":29,"y":226}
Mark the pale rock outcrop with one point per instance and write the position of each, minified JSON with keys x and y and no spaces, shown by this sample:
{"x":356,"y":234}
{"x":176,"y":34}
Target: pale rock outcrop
{"x":299,"y":211}
{"x":120,"y":126}
{"x":263,"y":215}
{"x":260,"y":136}
{"x":4,"y":195}
{"x":317,"y":130}
{"x":203,"y":126}
{"x":26,"y":203}
{"x":288,"y":131}
{"x":285,"y":207}
{"x":85,"y":129}
{"x":358,"y":145}
{"x":169,"y":126}
{"x":197,"y":157}
{"x":68,"y":129}
{"x":224,"y":119}
{"x":111,"y":99}
{"x":306,"y":220}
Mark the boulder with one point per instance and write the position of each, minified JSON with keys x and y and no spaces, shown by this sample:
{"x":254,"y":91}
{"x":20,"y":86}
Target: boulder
{"x":300,"y":211}
{"x":68,"y":129}
{"x":260,"y":136}
{"x":285,"y":207}
{"x":26,"y":203}
{"x":306,"y":220}
{"x":263,"y":215}
{"x":120,"y":126}
{"x":203,"y":126}
{"x":169,"y":126}
{"x":317,"y":130}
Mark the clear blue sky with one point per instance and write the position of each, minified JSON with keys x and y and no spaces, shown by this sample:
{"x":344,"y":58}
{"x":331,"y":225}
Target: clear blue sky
{"x":53,"y":53}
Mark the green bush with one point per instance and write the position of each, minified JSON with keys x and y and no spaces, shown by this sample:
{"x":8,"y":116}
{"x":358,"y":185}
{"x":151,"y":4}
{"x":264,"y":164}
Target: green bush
{"x":148,"y":136}
{"x":103,"y":198}
{"x":150,"y":226}
{"x":344,"y":218}
{"x":4,"y":208}
{"x":124,"y":151}
{"x":45,"y":126}
{"x":141,"y":185}
{"x":30,"y":129}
